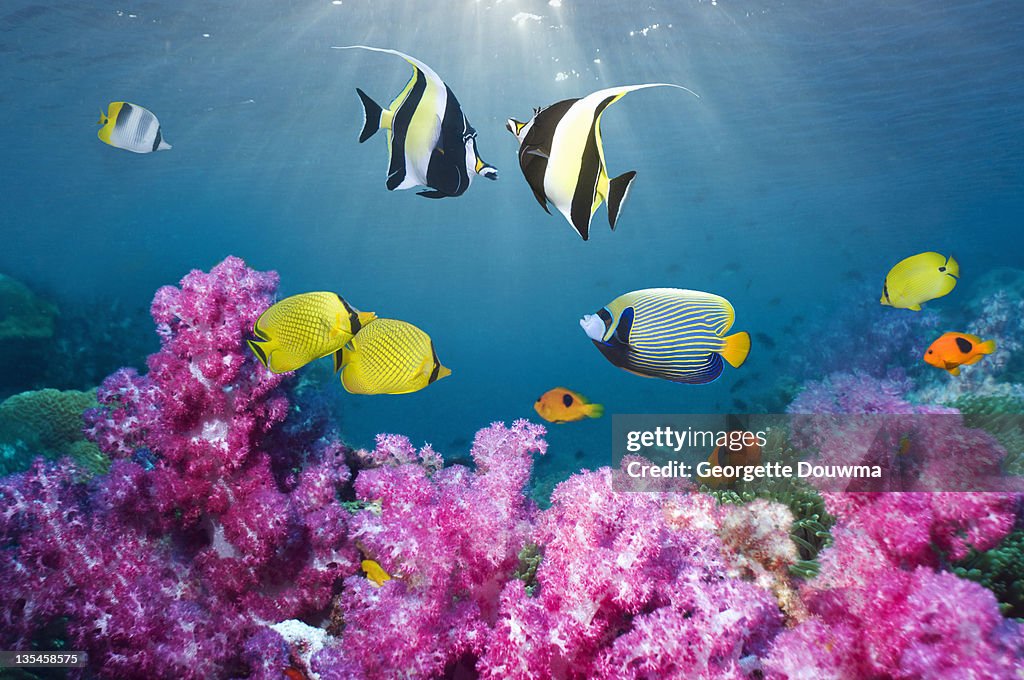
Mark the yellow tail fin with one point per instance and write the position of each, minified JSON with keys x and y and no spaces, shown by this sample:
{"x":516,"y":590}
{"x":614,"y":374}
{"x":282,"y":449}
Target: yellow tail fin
{"x":595,"y":410}
{"x":737,"y":347}
{"x":443,"y":372}
{"x":987,"y":347}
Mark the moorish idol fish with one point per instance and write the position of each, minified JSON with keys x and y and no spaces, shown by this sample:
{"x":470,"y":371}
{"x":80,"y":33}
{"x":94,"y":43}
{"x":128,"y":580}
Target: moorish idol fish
{"x":388,"y":356}
{"x":562,"y":158}
{"x":919,"y":278}
{"x":131,"y":127}
{"x":430,"y":140}
{"x":669,"y":333}
{"x":302,"y":328}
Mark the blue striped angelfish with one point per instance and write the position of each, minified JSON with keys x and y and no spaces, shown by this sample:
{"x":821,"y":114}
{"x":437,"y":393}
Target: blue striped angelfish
{"x":430,"y":140}
{"x":131,"y":127}
{"x":669,"y":333}
{"x":562,"y":157}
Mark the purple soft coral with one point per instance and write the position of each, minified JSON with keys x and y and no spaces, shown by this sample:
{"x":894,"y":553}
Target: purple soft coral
{"x":200,"y":528}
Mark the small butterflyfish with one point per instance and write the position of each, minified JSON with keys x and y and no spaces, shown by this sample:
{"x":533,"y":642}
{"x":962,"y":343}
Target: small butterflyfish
{"x":388,"y":356}
{"x":669,"y":333}
{"x":302,"y":328}
{"x":132,"y":128}
{"x":918,"y":279}
{"x":374,"y":572}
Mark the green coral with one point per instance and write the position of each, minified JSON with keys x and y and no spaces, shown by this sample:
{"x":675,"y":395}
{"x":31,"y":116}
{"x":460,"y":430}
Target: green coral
{"x":811,"y":521}
{"x":1001,"y":570}
{"x":47,"y":423}
{"x":529,"y":560}
{"x":1003,"y":418}
{"x":23,"y":314}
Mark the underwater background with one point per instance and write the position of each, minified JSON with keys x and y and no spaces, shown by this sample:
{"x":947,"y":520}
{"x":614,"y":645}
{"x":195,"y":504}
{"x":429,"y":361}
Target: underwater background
{"x":829,"y":141}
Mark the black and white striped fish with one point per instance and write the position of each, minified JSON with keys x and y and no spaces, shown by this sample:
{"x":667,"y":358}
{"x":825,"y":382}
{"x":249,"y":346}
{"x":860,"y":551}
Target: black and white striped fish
{"x":669,"y":333}
{"x":131,"y":127}
{"x":562,"y":158}
{"x":430,"y":140}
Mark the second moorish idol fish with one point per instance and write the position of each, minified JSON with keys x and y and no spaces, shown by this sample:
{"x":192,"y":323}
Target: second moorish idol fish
{"x":561,"y":405}
{"x":562,"y":157}
{"x":389,"y":356}
{"x":430,"y":140}
{"x":918,"y":279}
{"x":669,"y":333}
{"x":953,"y":350}
{"x":302,"y":328}
{"x":132,"y":128}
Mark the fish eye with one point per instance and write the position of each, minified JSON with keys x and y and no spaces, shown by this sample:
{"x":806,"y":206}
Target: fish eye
{"x":930,"y":352}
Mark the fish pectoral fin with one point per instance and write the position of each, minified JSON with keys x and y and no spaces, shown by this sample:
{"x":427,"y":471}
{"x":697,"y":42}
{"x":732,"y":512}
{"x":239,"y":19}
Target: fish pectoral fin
{"x":432,"y":194}
{"x":618,"y":192}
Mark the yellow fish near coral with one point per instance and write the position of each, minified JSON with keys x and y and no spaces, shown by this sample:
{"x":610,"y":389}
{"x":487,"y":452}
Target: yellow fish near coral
{"x":375,"y":572}
{"x":302,"y":328}
{"x":918,"y":279}
{"x":561,"y":405}
{"x":389,"y":356}
{"x":132,"y":128}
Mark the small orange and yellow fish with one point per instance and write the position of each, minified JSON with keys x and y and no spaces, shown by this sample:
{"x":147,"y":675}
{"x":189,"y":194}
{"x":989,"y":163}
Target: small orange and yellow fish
{"x":745,"y":454}
{"x":375,"y":572}
{"x":561,"y":405}
{"x":953,"y":350}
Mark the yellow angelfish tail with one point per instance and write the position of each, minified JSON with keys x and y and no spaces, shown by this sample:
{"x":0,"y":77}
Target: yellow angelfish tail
{"x":595,"y":410}
{"x":737,"y":347}
{"x":953,"y":267}
{"x":259,"y":348}
{"x":987,"y":347}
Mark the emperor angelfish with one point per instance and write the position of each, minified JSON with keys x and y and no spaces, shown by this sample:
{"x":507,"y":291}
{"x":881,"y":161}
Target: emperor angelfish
{"x":430,"y":140}
{"x":919,"y":278}
{"x":669,"y":333}
{"x":132,"y":128}
{"x":562,"y":157}
{"x":388,"y":356}
{"x":302,"y":328}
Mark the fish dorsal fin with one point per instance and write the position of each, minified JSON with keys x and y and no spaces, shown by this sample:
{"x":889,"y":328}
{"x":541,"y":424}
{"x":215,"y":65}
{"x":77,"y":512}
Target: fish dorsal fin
{"x":413,"y":61}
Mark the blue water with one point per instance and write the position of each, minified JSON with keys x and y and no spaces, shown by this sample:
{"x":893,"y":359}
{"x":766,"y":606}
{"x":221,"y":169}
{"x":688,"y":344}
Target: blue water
{"x":829,"y":138}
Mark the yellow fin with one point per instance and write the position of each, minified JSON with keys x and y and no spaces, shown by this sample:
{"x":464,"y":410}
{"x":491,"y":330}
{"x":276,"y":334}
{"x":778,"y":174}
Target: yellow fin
{"x":987,"y":347}
{"x":443,"y":372}
{"x":737,"y":347}
{"x":594,"y":410}
{"x":914,"y":308}
{"x":954,"y":371}
{"x":375,"y":572}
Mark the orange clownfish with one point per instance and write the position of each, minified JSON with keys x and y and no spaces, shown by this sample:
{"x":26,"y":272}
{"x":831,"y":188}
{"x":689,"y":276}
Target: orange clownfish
{"x":954,"y":350}
{"x":565,"y":406}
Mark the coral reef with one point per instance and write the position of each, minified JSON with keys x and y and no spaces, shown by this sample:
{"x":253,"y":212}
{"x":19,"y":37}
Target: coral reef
{"x":216,"y":512}
{"x":1001,"y":570}
{"x":225,"y":541}
{"x":47,"y":423}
